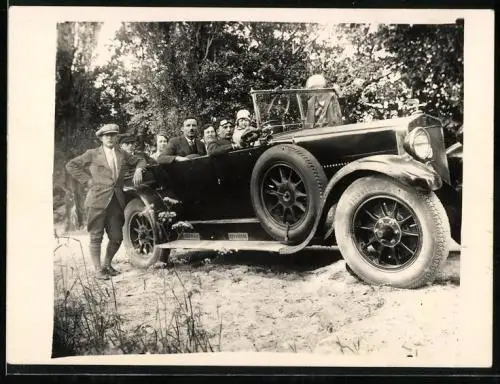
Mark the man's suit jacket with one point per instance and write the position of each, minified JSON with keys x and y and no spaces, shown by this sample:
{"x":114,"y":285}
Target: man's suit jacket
{"x":164,"y":159}
{"x":219,"y":146}
{"x":320,"y":116}
{"x":93,"y":165}
{"x":178,"y":146}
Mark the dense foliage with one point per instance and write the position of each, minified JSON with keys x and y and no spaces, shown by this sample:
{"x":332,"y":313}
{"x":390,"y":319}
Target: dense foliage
{"x":161,"y":72}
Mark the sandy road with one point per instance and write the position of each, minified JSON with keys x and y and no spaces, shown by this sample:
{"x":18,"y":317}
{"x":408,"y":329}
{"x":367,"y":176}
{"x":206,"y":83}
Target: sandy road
{"x":301,"y":303}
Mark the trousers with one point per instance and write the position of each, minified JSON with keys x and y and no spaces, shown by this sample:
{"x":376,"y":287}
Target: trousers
{"x":110,"y":220}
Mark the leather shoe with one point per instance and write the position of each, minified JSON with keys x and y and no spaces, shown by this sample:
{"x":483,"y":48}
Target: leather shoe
{"x":111,"y":271}
{"x":101,"y":275}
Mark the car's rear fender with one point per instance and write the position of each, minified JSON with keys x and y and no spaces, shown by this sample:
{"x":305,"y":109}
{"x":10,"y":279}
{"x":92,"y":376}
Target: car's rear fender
{"x":150,"y":198}
{"x":402,"y":168}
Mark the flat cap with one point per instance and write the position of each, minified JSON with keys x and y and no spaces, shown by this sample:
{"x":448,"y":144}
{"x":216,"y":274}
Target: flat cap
{"x":107,"y":128}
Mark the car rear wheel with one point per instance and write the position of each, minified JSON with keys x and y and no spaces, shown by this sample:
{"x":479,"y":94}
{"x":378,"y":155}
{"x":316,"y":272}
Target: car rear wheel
{"x":390,"y":233}
{"x":286,"y":188}
{"x":140,"y":236}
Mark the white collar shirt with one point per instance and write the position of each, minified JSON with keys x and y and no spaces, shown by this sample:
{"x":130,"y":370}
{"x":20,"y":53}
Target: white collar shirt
{"x":110,"y":154}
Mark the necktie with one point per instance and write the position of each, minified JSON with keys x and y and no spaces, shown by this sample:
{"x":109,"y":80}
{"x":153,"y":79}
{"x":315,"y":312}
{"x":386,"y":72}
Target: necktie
{"x":192,"y":144}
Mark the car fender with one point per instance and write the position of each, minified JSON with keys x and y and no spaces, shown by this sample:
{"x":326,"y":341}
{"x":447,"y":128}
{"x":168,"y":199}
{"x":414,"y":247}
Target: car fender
{"x":404,"y":168}
{"x":150,"y":198}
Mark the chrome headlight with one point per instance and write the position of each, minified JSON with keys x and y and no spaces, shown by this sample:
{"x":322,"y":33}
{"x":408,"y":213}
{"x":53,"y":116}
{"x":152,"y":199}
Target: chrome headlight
{"x":418,"y":144}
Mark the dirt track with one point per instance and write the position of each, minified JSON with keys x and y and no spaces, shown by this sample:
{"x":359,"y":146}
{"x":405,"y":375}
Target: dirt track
{"x":300,"y":303}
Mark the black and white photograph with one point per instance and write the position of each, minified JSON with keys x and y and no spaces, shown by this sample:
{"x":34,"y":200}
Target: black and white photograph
{"x":268,"y":186}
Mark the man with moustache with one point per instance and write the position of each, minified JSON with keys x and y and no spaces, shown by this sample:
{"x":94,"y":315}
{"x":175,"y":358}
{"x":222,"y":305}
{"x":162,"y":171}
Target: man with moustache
{"x":186,"y":145}
{"x":103,"y":170}
{"x":224,"y":142}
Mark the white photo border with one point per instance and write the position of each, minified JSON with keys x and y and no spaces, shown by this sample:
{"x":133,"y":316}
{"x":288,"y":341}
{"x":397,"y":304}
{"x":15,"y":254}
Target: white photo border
{"x":31,"y":97}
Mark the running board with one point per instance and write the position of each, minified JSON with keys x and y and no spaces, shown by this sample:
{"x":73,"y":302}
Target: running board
{"x":250,"y":245}
{"x":235,"y":245}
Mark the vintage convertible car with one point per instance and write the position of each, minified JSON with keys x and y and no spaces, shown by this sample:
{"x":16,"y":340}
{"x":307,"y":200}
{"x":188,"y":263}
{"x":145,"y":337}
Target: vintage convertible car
{"x":381,"y":192}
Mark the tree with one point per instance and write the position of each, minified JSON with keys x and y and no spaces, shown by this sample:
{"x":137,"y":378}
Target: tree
{"x":206,"y":69}
{"x":77,"y":110}
{"x":431,"y":58}
{"x":380,"y":67}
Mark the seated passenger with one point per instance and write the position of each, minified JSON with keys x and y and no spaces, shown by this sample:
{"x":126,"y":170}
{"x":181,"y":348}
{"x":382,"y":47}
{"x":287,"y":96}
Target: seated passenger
{"x":323,"y":109}
{"x":161,"y":145}
{"x":127,"y":143}
{"x":209,"y":135}
{"x":161,"y":156}
{"x":223,"y":143}
{"x":186,"y":145}
{"x":242,"y":125}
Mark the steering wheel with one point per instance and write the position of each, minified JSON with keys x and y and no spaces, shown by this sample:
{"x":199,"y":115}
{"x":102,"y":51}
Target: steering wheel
{"x":249,"y":136}
{"x":275,"y":126}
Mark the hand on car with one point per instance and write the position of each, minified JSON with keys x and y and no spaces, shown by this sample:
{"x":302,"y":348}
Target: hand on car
{"x":137,"y":177}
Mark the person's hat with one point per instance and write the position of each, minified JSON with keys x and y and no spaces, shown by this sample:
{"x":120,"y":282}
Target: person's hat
{"x":128,"y":139}
{"x":224,"y":122}
{"x":107,"y":128}
{"x":243,"y":114}
{"x":316,"y":81}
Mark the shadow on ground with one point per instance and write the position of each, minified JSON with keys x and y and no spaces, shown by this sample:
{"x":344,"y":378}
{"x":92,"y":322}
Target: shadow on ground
{"x":450,"y":274}
{"x":301,"y":262}
{"x":305,"y":261}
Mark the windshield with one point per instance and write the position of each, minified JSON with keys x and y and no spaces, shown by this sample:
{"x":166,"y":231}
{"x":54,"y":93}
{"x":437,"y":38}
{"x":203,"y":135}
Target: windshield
{"x":296,"y":109}
{"x":279,"y":110}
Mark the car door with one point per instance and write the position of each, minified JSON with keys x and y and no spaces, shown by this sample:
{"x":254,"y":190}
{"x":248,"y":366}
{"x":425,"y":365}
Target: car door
{"x":194,"y":183}
{"x":233,"y":171}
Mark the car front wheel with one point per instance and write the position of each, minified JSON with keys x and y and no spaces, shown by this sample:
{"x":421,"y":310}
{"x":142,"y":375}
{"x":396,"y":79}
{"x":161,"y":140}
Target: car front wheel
{"x":140,"y":236}
{"x":390,"y":233}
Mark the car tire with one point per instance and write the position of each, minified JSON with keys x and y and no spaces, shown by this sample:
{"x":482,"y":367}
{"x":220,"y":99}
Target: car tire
{"x":138,"y":223}
{"x":390,"y":233}
{"x":286,"y":189}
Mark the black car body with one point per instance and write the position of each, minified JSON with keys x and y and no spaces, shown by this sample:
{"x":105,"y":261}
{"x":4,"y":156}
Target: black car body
{"x":281,"y":192}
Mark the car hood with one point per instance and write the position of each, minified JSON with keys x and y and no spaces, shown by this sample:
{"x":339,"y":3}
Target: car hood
{"x":401,"y":123}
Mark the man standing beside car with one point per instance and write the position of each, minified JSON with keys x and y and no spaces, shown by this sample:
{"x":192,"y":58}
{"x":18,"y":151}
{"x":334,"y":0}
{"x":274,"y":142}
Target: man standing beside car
{"x":186,"y":145}
{"x":103,"y":170}
{"x":224,"y":142}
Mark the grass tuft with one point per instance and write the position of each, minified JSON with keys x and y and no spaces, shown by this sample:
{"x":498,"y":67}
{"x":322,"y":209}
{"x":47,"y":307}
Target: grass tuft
{"x":87,"y":320}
